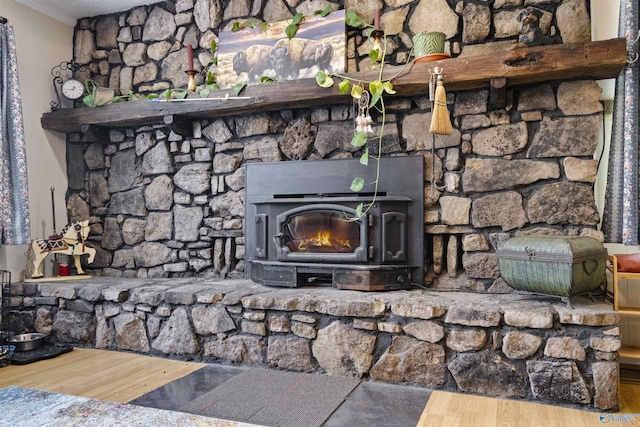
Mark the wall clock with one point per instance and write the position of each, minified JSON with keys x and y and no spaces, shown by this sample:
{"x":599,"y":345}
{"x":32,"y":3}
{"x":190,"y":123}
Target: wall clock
{"x":65,"y":85}
{"x":72,"y":89}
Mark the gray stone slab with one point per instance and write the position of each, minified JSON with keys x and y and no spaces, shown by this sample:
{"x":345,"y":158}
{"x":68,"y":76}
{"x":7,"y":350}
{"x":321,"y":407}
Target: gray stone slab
{"x":66,"y":290}
{"x":184,"y":294}
{"x":325,"y":301}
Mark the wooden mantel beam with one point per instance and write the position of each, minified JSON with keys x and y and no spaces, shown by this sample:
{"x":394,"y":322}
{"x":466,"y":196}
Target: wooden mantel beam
{"x":596,"y":60}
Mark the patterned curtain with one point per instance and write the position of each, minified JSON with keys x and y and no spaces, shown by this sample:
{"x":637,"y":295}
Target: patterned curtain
{"x":620,"y":222}
{"x":14,"y":207}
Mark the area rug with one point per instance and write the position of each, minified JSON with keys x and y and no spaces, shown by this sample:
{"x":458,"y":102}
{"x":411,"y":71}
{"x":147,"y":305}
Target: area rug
{"x":275,"y":398}
{"x":22,"y":407}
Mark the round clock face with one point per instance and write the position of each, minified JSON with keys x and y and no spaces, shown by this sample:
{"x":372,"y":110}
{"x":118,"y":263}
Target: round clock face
{"x":72,"y":89}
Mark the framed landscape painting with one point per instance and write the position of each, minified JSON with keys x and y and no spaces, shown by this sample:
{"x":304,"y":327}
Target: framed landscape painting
{"x":247,"y":55}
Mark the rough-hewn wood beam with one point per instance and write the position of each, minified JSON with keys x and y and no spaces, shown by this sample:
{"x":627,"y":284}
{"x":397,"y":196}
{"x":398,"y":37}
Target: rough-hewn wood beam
{"x":597,"y":60}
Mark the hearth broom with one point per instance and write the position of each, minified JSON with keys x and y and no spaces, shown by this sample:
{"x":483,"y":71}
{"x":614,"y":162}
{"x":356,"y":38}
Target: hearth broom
{"x":440,"y":120}
{"x":438,"y":97}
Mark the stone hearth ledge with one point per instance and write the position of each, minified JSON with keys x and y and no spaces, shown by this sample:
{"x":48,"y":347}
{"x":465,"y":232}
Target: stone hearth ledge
{"x":506,"y":345}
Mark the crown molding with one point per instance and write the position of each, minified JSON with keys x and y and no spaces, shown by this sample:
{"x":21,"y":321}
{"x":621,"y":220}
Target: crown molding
{"x":46,"y":10}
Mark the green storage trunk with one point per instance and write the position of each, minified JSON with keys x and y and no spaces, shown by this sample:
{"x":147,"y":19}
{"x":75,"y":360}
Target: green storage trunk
{"x":552,"y":265}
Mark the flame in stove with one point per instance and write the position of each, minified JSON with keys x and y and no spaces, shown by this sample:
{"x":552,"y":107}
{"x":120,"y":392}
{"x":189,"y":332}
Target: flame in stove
{"x":325,"y":240}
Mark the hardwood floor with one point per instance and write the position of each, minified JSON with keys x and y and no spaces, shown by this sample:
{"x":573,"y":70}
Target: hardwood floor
{"x":100,"y":374}
{"x":122,"y":377}
{"x":445,"y":409}
{"x":453,"y":409}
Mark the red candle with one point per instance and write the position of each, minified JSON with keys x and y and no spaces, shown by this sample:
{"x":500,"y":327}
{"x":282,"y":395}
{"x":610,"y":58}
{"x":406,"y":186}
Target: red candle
{"x":376,"y":20}
{"x":190,"y":56}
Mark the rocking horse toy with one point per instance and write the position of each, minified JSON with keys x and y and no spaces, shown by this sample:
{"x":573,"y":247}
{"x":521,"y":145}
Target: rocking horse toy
{"x":69,"y":242}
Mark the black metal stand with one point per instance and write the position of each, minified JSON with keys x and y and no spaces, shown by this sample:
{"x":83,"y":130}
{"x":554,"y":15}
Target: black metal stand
{"x":5,"y":322}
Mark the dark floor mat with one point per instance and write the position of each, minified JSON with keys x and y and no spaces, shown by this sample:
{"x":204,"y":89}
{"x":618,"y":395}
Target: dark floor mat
{"x":46,"y":351}
{"x":275,"y":398}
{"x":180,"y":392}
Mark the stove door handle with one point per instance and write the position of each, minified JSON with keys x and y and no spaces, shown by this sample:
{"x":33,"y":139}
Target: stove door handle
{"x":277,"y":239}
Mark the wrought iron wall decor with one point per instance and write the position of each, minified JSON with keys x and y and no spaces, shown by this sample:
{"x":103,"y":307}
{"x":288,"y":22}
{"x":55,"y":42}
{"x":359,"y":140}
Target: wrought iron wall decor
{"x":60,"y":73}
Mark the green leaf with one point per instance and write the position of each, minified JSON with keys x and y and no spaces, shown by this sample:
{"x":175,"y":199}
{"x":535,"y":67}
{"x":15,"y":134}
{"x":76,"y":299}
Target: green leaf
{"x":117,"y":99}
{"x":359,"y":210}
{"x":180,"y":94}
{"x":236,"y":26}
{"x":388,"y":87}
{"x":359,"y":139}
{"x":374,"y":100}
{"x":214,"y":46}
{"x":214,"y":61}
{"x":375,"y":55}
{"x":327,"y":10}
{"x":152,"y":96}
{"x":321,"y":76}
{"x":89,"y":100}
{"x":213,"y":86}
{"x":376,"y":87}
{"x":323,"y":80}
{"x":297,"y":18}
{"x":267,"y":79}
{"x":364,"y":159}
{"x":204,"y":92}
{"x":238,"y":88}
{"x":328,"y":82}
{"x":368,"y":31}
{"x":345,"y":86}
{"x":356,"y":91}
{"x":253,"y":23}
{"x":352,"y":19}
{"x":264,"y":26}
{"x":357,"y":184}
{"x":167,"y":94}
{"x":210,"y":78}
{"x":291,"y":31}
{"x":376,"y":90}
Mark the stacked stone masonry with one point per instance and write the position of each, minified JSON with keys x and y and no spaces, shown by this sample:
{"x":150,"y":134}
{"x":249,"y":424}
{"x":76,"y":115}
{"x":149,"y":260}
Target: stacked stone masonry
{"x":498,"y":345}
{"x":144,"y":49}
{"x":163,"y":204}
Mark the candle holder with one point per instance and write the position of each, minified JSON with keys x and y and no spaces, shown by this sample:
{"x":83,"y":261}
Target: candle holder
{"x":191,"y":87}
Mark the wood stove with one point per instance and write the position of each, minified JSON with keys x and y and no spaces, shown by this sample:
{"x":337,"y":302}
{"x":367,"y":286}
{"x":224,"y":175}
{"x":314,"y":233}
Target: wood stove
{"x":302,"y":228}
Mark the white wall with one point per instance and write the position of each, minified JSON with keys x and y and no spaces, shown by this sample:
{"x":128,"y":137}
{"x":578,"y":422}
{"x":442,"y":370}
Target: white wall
{"x":41,"y":43}
{"x":604,"y":26}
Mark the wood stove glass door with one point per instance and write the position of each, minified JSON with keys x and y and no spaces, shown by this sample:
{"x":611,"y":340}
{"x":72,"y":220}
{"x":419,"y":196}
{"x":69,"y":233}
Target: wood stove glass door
{"x":319,"y":233}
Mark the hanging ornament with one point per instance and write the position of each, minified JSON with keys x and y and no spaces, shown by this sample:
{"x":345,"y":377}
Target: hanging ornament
{"x":363,"y":120}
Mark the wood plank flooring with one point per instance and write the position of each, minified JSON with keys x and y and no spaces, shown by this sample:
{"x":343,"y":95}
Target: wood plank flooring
{"x":446,"y":409}
{"x":100,"y":374}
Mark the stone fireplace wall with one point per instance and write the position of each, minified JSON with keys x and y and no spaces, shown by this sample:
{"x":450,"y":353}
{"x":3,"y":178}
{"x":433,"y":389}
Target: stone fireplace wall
{"x":164,"y":204}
